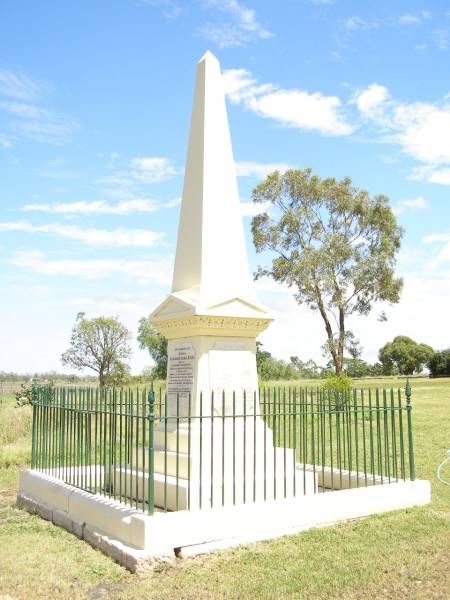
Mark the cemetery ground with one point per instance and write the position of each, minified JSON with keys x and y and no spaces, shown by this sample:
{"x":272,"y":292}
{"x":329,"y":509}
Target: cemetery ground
{"x":403,"y":554}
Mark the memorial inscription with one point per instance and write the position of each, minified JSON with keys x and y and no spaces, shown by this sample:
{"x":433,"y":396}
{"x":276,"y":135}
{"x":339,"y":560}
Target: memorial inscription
{"x":180,"y":378}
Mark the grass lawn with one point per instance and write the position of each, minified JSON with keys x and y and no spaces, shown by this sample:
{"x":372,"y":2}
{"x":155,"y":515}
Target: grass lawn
{"x":403,"y":554}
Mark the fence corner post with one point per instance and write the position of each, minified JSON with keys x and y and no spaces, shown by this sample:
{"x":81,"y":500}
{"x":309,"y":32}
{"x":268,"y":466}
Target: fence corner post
{"x":34,"y":400}
{"x":412,"y":474}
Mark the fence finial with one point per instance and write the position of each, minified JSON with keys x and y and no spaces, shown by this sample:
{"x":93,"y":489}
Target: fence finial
{"x":408,"y":391}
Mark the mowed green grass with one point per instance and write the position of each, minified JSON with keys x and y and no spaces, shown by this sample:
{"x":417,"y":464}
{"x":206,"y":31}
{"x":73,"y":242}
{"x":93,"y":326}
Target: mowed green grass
{"x":403,"y":554}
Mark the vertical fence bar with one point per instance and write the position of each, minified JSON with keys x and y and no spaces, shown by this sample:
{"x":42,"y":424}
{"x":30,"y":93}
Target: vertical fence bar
{"x":234,"y":447}
{"x":201,"y":449}
{"x":363,"y":421}
{"x":223,"y":448}
{"x":387,"y":462}
{"x":245,"y":448}
{"x":394,"y":438}
{"x":189,"y":451}
{"x":254,"y":446}
{"x":265,"y":443}
{"x":412,"y":473}
{"x":34,"y":400}
{"x":177,"y":459}
{"x":400,"y":428}
{"x":212,"y":451}
{"x":151,"y":458}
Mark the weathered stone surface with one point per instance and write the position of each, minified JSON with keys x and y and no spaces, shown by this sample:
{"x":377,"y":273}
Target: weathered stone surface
{"x":62,"y":519}
{"x":44,"y":511}
{"x":78,"y":528}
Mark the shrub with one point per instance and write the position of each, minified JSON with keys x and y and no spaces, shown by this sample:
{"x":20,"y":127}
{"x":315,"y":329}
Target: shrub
{"x":339,"y":386}
{"x":25,"y":395}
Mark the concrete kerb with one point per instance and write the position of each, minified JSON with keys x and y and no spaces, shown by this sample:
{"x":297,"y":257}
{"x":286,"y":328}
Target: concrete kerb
{"x":138,"y":541}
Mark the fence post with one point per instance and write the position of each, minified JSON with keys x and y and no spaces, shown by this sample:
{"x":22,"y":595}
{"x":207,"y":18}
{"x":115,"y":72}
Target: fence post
{"x":34,"y":399}
{"x":412,"y":475}
{"x":151,"y":461}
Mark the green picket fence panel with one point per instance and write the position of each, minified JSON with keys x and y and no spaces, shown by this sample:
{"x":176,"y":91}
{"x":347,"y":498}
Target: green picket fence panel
{"x":103,"y":441}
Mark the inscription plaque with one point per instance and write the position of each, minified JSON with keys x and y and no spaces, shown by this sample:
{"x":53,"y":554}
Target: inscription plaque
{"x":180,"y":378}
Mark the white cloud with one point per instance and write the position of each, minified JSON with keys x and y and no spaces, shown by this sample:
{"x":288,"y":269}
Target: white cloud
{"x":436,"y":237}
{"x":441,"y":38}
{"x":292,"y":107}
{"x":356,"y":22}
{"x":251,"y":209}
{"x":20,"y":86}
{"x":408,"y":19}
{"x":413,"y":204}
{"x":441,"y":241}
{"x":170,"y":9}
{"x":371,"y":98}
{"x":260,"y":170}
{"x":95,"y":237}
{"x":418,"y":127}
{"x":149,"y":270}
{"x":439,"y":176}
{"x":32,"y":121}
{"x":141,"y":170}
{"x":5,"y":142}
{"x":97,"y":207}
{"x":241,"y":28}
{"x":150,"y":169}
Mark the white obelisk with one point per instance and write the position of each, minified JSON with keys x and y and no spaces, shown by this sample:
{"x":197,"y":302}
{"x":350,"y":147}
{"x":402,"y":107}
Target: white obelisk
{"x":212,"y":313}
{"x":211,"y":319}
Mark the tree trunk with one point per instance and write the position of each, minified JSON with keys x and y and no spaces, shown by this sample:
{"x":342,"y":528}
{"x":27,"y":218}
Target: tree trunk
{"x":341,"y":341}
{"x":102,"y":379}
{"x":328,"y":329}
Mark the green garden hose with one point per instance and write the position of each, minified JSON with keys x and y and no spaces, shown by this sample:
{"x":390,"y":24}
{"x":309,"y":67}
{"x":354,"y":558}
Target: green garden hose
{"x":438,"y":470}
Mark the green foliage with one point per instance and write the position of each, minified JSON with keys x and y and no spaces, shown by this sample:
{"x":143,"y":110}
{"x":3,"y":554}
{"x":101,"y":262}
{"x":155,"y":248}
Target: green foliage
{"x":356,"y":367}
{"x":339,"y":383}
{"x":306,"y":370}
{"x":149,"y":339}
{"x":272,"y":369}
{"x":404,"y":356}
{"x":100,"y":344}
{"x":333,"y":243}
{"x":439,"y":364}
{"x":25,"y":394}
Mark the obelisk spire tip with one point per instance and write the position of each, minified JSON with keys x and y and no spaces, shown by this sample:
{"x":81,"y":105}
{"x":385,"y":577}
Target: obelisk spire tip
{"x":208,"y":56}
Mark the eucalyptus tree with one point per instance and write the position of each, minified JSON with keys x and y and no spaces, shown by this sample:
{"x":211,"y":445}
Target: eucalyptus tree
{"x":156,"y":344}
{"x":100,"y":344}
{"x":333,"y":243}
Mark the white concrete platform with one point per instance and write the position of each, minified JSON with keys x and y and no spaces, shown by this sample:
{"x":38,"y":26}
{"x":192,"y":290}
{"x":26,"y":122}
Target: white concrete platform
{"x":138,"y":541}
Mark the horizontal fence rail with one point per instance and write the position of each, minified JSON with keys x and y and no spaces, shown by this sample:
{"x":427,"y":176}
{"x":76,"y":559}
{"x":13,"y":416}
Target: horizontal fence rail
{"x":157,"y":453}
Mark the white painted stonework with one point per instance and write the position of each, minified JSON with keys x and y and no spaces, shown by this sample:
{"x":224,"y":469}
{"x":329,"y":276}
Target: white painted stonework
{"x":213,"y":310}
{"x":137,"y":540}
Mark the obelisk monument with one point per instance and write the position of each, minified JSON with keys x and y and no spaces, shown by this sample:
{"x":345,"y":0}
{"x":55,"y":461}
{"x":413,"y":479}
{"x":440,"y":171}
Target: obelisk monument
{"x":211,"y":320}
{"x":212,"y":316}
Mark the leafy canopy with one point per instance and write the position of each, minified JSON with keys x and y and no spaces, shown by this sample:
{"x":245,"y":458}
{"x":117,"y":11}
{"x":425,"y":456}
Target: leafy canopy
{"x":439,"y":363}
{"x":333,"y":243}
{"x":149,"y":339}
{"x":100,"y":344}
{"x":405,"y":356}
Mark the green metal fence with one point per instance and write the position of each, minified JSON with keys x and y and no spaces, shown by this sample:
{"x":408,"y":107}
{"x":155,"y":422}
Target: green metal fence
{"x":155,"y":453}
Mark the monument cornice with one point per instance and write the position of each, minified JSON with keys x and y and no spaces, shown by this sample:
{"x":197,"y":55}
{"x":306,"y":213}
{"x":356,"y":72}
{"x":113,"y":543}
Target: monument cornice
{"x":211,"y":325}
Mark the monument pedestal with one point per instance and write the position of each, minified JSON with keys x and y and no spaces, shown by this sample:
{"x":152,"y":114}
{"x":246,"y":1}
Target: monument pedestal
{"x":214,"y":445}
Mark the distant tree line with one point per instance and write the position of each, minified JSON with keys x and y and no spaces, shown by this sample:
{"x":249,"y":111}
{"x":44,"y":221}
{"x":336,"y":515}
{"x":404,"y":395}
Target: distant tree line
{"x":102,"y":345}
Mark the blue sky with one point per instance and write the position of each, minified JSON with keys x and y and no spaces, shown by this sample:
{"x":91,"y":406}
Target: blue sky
{"x":95,"y":100}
